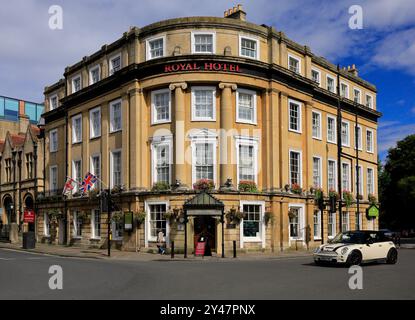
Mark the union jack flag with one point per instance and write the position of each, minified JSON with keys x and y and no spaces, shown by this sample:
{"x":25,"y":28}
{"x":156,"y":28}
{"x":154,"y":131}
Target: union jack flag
{"x":88,"y":182}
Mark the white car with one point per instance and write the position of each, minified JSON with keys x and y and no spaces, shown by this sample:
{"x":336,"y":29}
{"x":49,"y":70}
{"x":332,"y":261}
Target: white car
{"x":356,"y":247}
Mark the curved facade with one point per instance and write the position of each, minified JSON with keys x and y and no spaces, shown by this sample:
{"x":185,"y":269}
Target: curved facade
{"x":208,"y":98}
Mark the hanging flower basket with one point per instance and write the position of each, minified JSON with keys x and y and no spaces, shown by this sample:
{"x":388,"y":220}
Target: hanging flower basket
{"x":268,"y":217}
{"x":247,"y":186}
{"x":140,"y":217}
{"x":333,"y":193}
{"x":318,"y":194}
{"x":93,"y":194}
{"x":203,"y":185}
{"x":168,"y":215}
{"x":372,"y":199}
{"x":55,"y":215}
{"x":117,"y":216}
{"x":82,"y":215}
{"x":348,"y":198}
{"x":116,"y":189}
{"x":292,"y":213}
{"x":234,"y":215}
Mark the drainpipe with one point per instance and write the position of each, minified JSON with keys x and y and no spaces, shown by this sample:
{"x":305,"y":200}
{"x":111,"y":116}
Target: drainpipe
{"x":19,"y":164}
{"x":339,"y":148}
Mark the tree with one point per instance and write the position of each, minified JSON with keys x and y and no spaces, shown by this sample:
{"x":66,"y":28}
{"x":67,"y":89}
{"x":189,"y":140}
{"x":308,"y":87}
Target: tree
{"x":397,"y":186}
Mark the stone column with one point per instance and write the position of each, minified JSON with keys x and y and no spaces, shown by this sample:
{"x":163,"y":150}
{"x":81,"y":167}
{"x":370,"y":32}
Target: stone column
{"x":179,"y":134}
{"x":125,"y":155}
{"x":135,"y":142}
{"x":227,"y":120}
{"x":308,"y":158}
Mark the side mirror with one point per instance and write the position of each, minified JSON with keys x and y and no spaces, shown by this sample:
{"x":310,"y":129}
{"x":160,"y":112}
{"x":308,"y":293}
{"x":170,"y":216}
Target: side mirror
{"x":369,"y":241}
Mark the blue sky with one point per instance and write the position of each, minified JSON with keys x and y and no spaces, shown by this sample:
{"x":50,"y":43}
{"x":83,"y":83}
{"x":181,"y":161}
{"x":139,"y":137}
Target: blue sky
{"x":33,"y":56}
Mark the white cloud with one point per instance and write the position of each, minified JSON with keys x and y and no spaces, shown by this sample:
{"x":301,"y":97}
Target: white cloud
{"x":390,"y":133}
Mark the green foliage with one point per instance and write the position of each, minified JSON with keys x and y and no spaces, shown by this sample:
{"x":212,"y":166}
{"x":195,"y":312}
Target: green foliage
{"x":161,"y":186}
{"x":397,"y":186}
{"x":247,"y":186}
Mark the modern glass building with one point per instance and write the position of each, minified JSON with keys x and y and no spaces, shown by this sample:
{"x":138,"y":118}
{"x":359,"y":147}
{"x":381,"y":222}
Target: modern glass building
{"x":9,"y":109}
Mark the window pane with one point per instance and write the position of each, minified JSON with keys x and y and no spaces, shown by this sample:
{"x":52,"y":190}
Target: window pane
{"x":246,"y":163}
{"x":156,"y":48}
{"x":203,"y":43}
{"x":251,"y":221}
{"x":248,"y":48}
{"x":157,"y":222}
{"x":294,"y":116}
{"x":294,"y":167}
{"x":203,"y":107}
{"x":245,"y":106}
{"x":204,"y":161}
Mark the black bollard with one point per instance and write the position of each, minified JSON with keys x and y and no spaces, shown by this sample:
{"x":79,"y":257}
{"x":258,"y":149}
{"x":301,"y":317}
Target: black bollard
{"x":234,"y":248}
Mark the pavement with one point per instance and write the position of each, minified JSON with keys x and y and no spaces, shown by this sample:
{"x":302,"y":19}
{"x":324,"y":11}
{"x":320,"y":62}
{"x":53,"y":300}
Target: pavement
{"x":77,"y":252}
{"x":25,"y":275}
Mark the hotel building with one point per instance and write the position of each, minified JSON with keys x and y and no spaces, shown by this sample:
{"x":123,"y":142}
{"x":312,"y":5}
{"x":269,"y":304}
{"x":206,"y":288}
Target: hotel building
{"x":182,"y":100}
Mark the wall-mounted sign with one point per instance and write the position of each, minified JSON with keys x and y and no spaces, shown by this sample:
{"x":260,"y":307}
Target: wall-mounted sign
{"x":372,"y":211}
{"x":29,"y":216}
{"x":202,"y":212}
{"x":128,"y":221}
{"x":201,"y":66}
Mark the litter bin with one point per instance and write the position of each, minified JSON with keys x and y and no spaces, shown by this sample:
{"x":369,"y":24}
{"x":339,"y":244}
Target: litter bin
{"x":29,"y":240}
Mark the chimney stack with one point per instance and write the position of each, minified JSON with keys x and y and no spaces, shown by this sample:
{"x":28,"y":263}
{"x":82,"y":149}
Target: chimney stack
{"x":235,"y":13}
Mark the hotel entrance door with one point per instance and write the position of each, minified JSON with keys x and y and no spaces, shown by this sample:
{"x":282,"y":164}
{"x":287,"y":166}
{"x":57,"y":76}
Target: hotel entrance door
{"x":205,"y":226}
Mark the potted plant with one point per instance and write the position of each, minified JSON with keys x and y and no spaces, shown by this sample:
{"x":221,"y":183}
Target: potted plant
{"x":347,"y":197}
{"x":203,"y":185}
{"x":268,"y":217}
{"x":247,"y":186}
{"x":333,"y":194}
{"x":292,"y":213}
{"x":318,"y":194}
{"x":160,"y":186}
{"x":93,"y":194}
{"x":360,"y":197}
{"x":372,"y":199}
{"x":116,"y":189}
{"x":287,"y":187}
{"x":168,"y":215}
{"x":117,"y":216}
{"x":234,"y":215}
{"x":140,"y":217}
{"x":295,"y":188}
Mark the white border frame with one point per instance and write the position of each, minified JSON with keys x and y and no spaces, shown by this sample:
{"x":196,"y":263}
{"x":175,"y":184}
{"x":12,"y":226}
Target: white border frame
{"x":202,"y":32}
{"x":254,"y":95}
{"x":301,"y":166}
{"x":75,"y":117}
{"x":162,"y":37}
{"x":348,"y":133}
{"x":111,"y":171}
{"x":301,"y":222}
{"x":91,"y":124}
{"x":148,"y":238}
{"x":262,"y":238}
{"x":295,"y":57}
{"x":157,"y":142}
{"x":50,"y":141}
{"x":75,"y":77}
{"x":193,"y":100}
{"x":119,"y":100}
{"x":241,"y":36}
{"x":321,"y":125}
{"x":299,"y":115}
{"x":335,"y":129}
{"x":97,"y":66}
{"x":153,"y":111}
{"x":110,"y":66}
{"x":373,"y":141}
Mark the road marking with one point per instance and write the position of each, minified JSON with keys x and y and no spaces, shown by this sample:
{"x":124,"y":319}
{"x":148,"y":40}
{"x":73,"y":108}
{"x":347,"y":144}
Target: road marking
{"x":7,"y":259}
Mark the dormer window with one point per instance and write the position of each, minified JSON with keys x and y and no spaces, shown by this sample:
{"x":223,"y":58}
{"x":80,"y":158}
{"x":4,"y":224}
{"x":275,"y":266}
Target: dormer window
{"x":76,"y":83}
{"x":94,"y":74}
{"x":294,"y":64}
{"x":248,"y":47}
{"x":115,"y":64}
{"x":155,"y":48}
{"x":203,"y":42}
{"x":53,"y":102}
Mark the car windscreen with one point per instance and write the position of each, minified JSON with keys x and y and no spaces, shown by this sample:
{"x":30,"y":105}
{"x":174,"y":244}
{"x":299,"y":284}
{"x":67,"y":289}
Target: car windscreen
{"x":350,"y":237}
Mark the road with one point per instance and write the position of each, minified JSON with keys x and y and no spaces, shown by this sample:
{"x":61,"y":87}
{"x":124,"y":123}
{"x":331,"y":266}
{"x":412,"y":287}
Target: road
{"x":25,"y":276}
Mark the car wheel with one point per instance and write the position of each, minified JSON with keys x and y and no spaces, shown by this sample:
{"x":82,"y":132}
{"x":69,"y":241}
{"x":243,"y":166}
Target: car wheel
{"x":392,"y":256}
{"x":354,"y":259}
{"x":317,"y":262}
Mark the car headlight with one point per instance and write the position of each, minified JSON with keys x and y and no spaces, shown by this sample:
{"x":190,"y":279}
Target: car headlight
{"x":317,"y":250}
{"x":344,"y":251}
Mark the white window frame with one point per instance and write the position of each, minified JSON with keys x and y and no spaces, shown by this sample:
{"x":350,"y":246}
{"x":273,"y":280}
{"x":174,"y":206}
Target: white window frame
{"x":300,"y":165}
{"x":360,"y":95}
{"x":372,"y":145}
{"x":335,"y":129}
{"x":319,"y":137}
{"x":333,"y":226}
{"x":112,"y":167}
{"x":299,"y":116}
{"x":367,"y":180}
{"x":75,"y":225}
{"x":262,"y":238}
{"x":319,"y":75}
{"x":77,"y":183}
{"x":148,"y":48}
{"x":53,"y":147}
{"x":93,"y":68}
{"x":254,"y":97}
{"x":373,"y":101}
{"x":92,"y":168}
{"x":93,"y":229}
{"x":46,"y":222}
{"x":51,"y":180}
{"x":153,"y":108}
{"x":320,"y":170}
{"x":349,"y":175}
{"x":111,"y":104}
{"x":359,"y":138}
{"x":148,"y":237}
{"x":347,"y":89}
{"x":334,"y":174}
{"x":348,"y":133}
{"x":204,"y":136}
{"x":161,"y":141}
{"x":74,"y":140}
{"x":301,"y":223}
{"x":78,"y":76}
{"x":318,"y":236}
{"x":110,"y":65}
{"x":55,"y":96}
{"x":247,"y":141}
{"x":334,"y":83}
{"x":201,"y":32}
{"x":91,"y":124}
{"x":257,"y":56}
{"x":345,"y":214}
{"x":193,"y":106}
{"x":295,"y":57}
